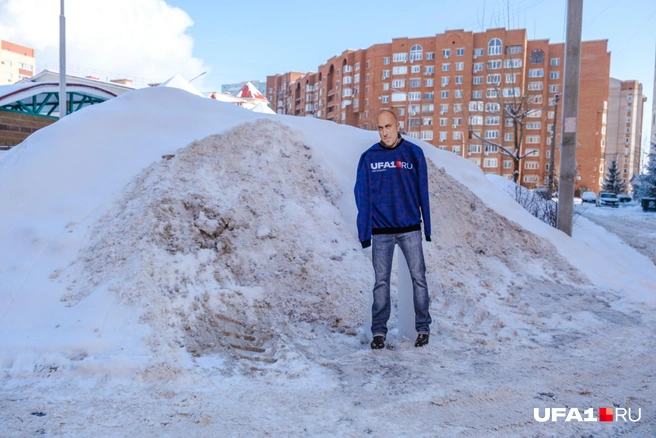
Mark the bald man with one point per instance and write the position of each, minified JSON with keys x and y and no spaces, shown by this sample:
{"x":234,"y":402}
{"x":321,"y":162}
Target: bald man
{"x":391,"y":193}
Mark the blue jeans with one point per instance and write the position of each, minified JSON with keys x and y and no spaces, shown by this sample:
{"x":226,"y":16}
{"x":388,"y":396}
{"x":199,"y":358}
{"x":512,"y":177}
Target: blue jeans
{"x":382,"y":255}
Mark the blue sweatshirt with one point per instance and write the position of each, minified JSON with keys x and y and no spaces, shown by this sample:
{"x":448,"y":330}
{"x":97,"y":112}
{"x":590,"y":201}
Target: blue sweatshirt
{"x":391,"y":191}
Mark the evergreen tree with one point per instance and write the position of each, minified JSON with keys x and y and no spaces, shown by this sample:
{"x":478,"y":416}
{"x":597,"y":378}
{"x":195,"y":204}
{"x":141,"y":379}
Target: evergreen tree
{"x":647,"y":188}
{"x":613,"y":182}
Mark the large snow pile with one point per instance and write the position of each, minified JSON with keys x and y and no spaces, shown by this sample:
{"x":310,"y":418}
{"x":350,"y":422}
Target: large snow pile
{"x":208,"y":252}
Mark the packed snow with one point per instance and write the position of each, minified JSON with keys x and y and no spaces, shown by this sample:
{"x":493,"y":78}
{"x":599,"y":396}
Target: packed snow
{"x":178,"y":266}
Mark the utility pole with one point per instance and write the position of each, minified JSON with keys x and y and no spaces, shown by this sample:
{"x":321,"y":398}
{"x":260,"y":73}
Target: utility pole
{"x":552,"y":149}
{"x":62,"y":63}
{"x":567,"y":175}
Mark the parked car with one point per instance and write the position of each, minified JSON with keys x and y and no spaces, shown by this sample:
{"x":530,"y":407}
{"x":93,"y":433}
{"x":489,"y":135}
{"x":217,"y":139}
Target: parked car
{"x":589,"y":197}
{"x":609,"y":199}
{"x":624,"y":198}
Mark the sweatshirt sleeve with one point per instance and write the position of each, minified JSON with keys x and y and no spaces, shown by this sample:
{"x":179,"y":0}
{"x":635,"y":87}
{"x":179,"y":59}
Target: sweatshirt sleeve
{"x":363,"y":202}
{"x":423,"y":193}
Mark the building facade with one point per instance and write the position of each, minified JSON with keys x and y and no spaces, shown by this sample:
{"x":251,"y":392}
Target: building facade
{"x":623,"y":140}
{"x":16,"y":62}
{"x":451,"y":90}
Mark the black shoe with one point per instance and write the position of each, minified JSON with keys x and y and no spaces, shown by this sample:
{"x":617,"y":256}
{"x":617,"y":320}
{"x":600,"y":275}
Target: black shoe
{"x":422,"y":340}
{"x":378,"y":342}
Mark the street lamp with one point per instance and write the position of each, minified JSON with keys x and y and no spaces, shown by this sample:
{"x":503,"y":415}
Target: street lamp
{"x":62,"y":63}
{"x":196,"y":77}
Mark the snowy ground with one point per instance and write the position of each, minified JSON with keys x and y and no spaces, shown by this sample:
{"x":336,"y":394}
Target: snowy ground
{"x":197,"y":273}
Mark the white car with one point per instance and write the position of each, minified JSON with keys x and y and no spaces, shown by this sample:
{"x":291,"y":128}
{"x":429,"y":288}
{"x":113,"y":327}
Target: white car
{"x":609,"y":199}
{"x":589,"y":197}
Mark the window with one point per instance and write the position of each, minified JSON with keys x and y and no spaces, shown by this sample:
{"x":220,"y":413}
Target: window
{"x":443,"y":135}
{"x":416,"y":53}
{"x":457,"y":135}
{"x":508,"y":122}
{"x":445,"y":81}
{"x":494,"y":65}
{"x":532,"y":139}
{"x":508,"y":136}
{"x":491,"y":134}
{"x":507,"y":164}
{"x":460,"y":52}
{"x":444,"y":94}
{"x":415,"y":95}
{"x":532,"y":165}
{"x":426,"y":135}
{"x":555,"y":61}
{"x":460,"y":66}
{"x":494,"y":120}
{"x":514,"y":50}
{"x":492,"y":107}
{"x":457,"y":121}
{"x":553,"y":88}
{"x":491,"y":162}
{"x":386,"y":74}
{"x":446,"y":53}
{"x":511,"y":78}
{"x":385,"y":86}
{"x":384,"y":99}
{"x":430,"y":70}
{"x":346,"y":92}
{"x":535,"y":98}
{"x":415,"y":69}
{"x":478,"y":80}
{"x":494,"y":78}
{"x":400,"y":57}
{"x":494,"y":47}
{"x":554,"y":75}
{"x":398,"y":83}
{"x":478,"y":66}
{"x":427,"y":121}
{"x":474,"y":148}
{"x":478,"y":52}
{"x":444,"y":108}
{"x":534,"y":86}
{"x":402,"y":70}
{"x":413,"y":122}
{"x":430,"y":82}
{"x":428,"y":108}
{"x":629,"y":98}
{"x":456,"y":149}
{"x":489,"y":148}
{"x":415,"y":83}
{"x":534,"y":125}
{"x":446,"y":66}
{"x":552,"y":101}
{"x":534,"y":113}
{"x":346,"y":80}
{"x":386,"y":60}
{"x":536,"y":73}
{"x":512,"y":63}
{"x":443,"y":121}
{"x":429,"y":96}
{"x":492,"y":92}
{"x":457,"y":107}
{"x":475,"y":106}
{"x":628,"y":120}
{"x":458,"y":94}
{"x":458,"y":80}
{"x":430,"y":56}
{"x":537,"y":57}
{"x":366,"y":77}
{"x":477,"y":94}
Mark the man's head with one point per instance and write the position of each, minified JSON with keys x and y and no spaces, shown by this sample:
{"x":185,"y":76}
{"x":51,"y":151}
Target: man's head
{"x":388,"y":127}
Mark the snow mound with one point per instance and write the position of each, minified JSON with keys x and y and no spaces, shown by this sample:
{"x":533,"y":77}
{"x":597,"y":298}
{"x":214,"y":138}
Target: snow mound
{"x":218,"y":244}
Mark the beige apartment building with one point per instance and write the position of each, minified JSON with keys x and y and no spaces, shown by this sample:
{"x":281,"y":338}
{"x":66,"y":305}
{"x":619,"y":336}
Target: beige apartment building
{"x":623,"y":138}
{"x":449,"y":90}
{"x":16,"y":62}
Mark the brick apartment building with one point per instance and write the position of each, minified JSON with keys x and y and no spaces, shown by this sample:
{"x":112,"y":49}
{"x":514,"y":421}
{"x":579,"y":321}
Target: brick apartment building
{"x":444,"y":86}
{"x":623,"y":139}
{"x":16,"y":62}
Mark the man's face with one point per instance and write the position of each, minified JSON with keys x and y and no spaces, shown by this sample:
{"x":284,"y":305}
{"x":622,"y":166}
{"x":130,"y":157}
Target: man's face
{"x":388,"y":129}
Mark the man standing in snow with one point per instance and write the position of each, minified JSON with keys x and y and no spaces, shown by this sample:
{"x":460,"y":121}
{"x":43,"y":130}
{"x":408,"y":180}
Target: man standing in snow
{"x":391,"y":193}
